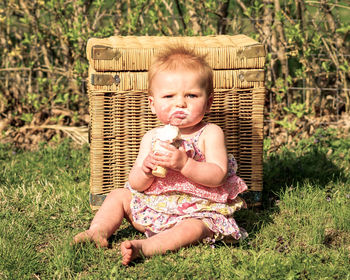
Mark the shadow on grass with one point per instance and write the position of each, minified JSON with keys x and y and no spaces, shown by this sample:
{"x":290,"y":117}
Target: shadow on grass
{"x":125,"y":233}
{"x":288,"y":169}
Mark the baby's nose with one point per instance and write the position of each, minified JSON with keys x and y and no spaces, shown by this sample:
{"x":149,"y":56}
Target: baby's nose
{"x":180,"y":102}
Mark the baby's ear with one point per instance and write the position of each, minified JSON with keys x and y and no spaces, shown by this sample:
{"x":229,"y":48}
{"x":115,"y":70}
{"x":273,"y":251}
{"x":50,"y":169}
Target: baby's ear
{"x":209,"y":102}
{"x":151,"y":104}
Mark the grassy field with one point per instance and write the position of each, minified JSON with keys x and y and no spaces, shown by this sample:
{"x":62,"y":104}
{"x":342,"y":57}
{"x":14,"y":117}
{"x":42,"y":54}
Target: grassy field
{"x":302,"y":232}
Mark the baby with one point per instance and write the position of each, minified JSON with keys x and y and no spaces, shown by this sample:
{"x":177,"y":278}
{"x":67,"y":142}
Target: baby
{"x":196,"y":199}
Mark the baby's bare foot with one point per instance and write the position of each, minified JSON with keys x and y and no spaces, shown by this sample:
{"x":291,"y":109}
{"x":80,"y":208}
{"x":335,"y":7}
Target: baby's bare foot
{"x":130,"y":250}
{"x":88,"y":235}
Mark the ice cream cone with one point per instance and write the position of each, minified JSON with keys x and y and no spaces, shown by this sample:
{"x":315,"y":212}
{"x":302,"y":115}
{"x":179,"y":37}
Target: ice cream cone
{"x":167,"y":133}
{"x":160,"y":171}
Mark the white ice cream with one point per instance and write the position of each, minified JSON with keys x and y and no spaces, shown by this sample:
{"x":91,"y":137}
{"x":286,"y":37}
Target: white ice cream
{"x":168,"y":133}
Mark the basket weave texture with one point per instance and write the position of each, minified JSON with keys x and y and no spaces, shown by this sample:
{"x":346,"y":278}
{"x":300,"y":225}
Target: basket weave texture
{"x":120,"y":114}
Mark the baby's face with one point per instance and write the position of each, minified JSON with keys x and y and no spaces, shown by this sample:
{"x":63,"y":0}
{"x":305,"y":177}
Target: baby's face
{"x":179,"y":98}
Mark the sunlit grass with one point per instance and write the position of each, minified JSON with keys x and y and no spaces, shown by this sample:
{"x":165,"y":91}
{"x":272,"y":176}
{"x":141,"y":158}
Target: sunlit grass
{"x":302,"y":232}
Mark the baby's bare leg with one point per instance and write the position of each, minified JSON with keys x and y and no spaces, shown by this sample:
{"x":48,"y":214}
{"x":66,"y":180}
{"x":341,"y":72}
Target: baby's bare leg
{"x":187,"y":232}
{"x":108,"y":218}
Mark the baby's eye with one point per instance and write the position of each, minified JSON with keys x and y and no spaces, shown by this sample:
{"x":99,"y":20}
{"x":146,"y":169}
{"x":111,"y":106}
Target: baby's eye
{"x":191,"y":95}
{"x":168,"y":96}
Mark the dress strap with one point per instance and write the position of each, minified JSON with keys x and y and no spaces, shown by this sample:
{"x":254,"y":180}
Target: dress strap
{"x":191,"y":146}
{"x":198,"y":134}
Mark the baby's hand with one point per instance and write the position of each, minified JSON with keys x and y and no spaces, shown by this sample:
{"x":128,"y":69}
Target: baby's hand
{"x":148,"y":164}
{"x":170,"y":157}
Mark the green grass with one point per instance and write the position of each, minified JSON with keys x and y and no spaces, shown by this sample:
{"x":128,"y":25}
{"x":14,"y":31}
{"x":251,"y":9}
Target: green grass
{"x":302,"y":232}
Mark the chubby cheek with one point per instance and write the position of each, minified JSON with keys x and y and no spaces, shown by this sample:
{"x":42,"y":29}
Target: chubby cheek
{"x":198,"y":111}
{"x":163,"y":112}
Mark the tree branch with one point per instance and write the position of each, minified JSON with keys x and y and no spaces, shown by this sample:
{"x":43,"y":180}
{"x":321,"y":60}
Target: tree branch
{"x":181,"y":14}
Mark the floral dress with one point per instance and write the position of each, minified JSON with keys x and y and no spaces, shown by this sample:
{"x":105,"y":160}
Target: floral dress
{"x":174,"y":198}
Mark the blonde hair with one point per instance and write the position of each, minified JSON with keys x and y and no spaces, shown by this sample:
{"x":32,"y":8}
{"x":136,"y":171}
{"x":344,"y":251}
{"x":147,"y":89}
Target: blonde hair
{"x":180,"y":57}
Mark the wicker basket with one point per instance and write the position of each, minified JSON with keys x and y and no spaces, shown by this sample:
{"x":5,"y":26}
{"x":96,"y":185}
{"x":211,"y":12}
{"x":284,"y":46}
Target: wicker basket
{"x":120,"y":114}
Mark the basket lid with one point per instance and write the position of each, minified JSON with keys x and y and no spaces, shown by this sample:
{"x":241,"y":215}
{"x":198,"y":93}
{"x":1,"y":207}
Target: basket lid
{"x":135,"y":53}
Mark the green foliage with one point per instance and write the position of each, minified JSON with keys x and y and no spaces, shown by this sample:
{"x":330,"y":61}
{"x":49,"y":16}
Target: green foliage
{"x":48,"y":38}
{"x":43,"y":43}
{"x":298,"y":109}
{"x":27,"y":117}
{"x":289,"y":125}
{"x":295,"y":113}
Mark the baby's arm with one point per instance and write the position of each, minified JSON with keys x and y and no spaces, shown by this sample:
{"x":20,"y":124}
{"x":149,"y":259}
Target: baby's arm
{"x":212,"y":172}
{"x":140,"y":176}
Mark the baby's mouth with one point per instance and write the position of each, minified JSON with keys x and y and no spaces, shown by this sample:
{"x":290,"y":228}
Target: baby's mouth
{"x":177,"y":116}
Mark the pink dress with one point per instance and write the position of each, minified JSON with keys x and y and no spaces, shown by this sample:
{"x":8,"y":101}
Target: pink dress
{"x":174,"y":198}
